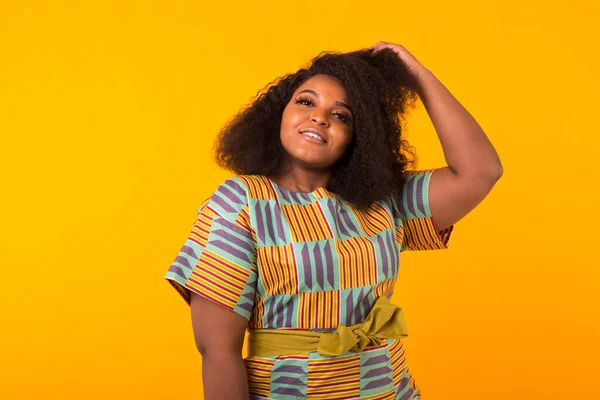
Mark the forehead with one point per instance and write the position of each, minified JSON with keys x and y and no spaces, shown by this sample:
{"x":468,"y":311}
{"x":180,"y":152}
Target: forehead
{"x":326,"y":86}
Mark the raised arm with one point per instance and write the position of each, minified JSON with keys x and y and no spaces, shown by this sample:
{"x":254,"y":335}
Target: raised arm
{"x":473,"y":164}
{"x":219,"y":335}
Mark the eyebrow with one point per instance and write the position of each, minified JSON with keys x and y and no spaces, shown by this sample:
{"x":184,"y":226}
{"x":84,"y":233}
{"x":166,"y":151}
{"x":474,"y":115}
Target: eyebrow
{"x":339,"y":103}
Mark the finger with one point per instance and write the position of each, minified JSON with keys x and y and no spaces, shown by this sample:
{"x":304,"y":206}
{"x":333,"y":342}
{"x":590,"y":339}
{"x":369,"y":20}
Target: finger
{"x":387,"y":45}
{"x":378,"y":46}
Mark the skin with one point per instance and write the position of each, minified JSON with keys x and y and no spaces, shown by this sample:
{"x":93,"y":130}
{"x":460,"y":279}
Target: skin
{"x":473,"y":164}
{"x":220,"y":344}
{"x":473,"y":169}
{"x":321,"y":103}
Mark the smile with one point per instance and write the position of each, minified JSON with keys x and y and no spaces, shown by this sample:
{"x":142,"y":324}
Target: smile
{"x":313,"y":137}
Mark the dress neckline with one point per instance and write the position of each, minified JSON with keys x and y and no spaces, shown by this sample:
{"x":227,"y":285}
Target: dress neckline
{"x":321,"y":189}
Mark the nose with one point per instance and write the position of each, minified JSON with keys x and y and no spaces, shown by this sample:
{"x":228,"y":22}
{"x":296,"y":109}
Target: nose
{"x":319,"y":118}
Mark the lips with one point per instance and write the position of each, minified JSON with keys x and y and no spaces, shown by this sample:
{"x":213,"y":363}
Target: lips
{"x":315,"y":132}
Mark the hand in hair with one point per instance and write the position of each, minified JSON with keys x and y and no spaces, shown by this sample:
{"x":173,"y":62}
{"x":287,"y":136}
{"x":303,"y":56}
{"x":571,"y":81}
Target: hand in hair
{"x":410,"y":61}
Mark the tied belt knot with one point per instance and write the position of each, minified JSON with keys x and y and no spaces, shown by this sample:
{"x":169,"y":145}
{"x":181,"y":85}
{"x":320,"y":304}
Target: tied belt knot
{"x":385,"y":321}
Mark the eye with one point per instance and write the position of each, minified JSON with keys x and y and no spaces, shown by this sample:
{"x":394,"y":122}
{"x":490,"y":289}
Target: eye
{"x":345,"y":118}
{"x":342,"y":117}
{"x":304,"y":101}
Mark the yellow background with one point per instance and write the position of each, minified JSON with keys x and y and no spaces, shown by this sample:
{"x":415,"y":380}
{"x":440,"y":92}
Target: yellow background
{"x":108,"y":111}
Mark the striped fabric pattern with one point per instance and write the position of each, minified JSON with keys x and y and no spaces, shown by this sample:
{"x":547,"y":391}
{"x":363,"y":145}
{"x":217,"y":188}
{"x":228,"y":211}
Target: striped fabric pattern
{"x":413,"y":206}
{"x":342,"y":375}
{"x":313,"y":261}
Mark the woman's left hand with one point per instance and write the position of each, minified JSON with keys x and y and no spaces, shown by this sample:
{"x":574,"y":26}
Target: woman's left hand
{"x":413,"y":65}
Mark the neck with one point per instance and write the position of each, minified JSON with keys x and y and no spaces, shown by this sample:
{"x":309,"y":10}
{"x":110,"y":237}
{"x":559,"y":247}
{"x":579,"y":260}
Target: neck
{"x":297,"y":179}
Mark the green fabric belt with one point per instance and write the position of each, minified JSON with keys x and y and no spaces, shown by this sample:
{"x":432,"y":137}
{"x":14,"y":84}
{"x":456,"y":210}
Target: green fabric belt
{"x":385,"y":321}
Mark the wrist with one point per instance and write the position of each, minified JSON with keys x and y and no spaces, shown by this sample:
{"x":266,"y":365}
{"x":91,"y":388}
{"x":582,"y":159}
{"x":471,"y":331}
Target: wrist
{"x":423,"y":76}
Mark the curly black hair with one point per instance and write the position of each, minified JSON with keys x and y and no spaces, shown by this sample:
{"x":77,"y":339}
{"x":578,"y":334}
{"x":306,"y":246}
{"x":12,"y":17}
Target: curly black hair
{"x":382,"y":92}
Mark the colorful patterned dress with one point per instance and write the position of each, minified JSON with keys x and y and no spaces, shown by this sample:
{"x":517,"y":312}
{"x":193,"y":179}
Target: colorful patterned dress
{"x":291,"y":260}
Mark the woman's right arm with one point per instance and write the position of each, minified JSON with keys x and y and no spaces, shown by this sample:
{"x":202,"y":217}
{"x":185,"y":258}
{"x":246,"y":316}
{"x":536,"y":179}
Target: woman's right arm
{"x":219,"y":335}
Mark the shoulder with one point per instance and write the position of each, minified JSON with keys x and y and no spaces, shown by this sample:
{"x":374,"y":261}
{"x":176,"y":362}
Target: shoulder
{"x":415,"y":179}
{"x":228,"y":198}
{"x":234,"y":194}
{"x":412,"y":174}
{"x":232,"y":188}
{"x":413,"y":198}
{"x":229,"y":194}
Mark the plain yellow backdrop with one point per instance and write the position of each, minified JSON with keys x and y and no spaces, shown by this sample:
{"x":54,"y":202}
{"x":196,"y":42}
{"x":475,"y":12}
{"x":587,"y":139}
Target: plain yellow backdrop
{"x":108,"y":112}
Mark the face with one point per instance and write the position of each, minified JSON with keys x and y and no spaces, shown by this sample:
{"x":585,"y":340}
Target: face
{"x":317,"y":123}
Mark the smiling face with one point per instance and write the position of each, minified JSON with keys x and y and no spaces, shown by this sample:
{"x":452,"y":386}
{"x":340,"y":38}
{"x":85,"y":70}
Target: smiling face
{"x":317,"y":123}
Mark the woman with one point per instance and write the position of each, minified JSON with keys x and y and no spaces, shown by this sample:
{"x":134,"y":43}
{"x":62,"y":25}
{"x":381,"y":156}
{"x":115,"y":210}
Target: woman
{"x":302,"y":247}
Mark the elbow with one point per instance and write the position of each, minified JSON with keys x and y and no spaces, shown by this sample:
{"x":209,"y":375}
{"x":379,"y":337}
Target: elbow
{"x":220,"y":346}
{"x":201,"y":348}
{"x":213,"y":354}
{"x":491,"y":167}
{"x":205,"y":347}
{"x":496,"y":172}
{"x":492,"y":171}
{"x":484,"y":173}
{"x":491,"y":176}
{"x":496,"y":168}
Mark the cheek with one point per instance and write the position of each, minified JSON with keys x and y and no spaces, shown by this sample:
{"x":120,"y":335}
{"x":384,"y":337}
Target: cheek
{"x":344,"y":141}
{"x":290,"y":117}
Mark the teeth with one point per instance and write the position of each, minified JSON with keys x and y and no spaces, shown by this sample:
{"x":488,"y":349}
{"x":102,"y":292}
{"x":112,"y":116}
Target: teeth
{"x":313,"y":135}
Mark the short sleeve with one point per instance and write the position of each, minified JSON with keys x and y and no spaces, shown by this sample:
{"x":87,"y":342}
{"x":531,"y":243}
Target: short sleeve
{"x":418,"y":227}
{"x":218,"y":259}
